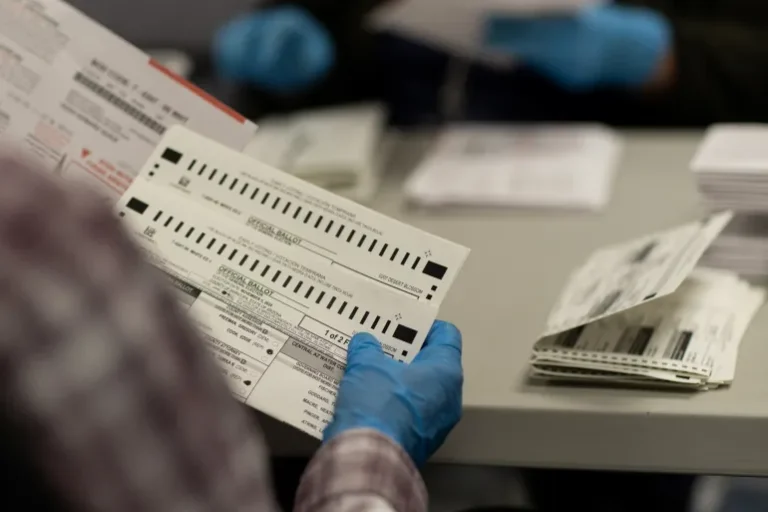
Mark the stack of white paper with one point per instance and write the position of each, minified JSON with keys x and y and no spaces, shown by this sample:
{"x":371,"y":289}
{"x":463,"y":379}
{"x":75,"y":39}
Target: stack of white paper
{"x":640,"y":313}
{"x":339,"y":149}
{"x":731,"y":171}
{"x":742,"y":247}
{"x":731,"y":168}
{"x":280,"y":274}
{"x":524,"y":166}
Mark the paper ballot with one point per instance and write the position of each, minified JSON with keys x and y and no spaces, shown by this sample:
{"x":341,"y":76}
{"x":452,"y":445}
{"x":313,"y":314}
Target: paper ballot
{"x":88,"y":103}
{"x":279,"y":274}
{"x":457,"y":26}
{"x":545,"y":166}
{"x":640,"y":313}
{"x":339,"y":149}
{"x":335,"y":231}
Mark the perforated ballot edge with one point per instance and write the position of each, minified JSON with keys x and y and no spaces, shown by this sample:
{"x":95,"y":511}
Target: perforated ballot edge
{"x":343,"y":234}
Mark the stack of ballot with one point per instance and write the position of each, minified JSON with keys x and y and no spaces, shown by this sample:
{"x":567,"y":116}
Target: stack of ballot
{"x":742,"y":247}
{"x":731,"y":172}
{"x":279,"y":274}
{"x":642,"y":313}
{"x":540,"y":166}
{"x":731,"y":168}
{"x":340,"y":149}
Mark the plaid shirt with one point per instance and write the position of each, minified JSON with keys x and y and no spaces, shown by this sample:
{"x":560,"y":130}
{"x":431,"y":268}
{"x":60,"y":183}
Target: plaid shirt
{"x":110,"y":395}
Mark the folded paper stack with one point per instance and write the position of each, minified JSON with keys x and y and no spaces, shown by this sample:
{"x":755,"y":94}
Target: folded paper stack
{"x":642,"y":313}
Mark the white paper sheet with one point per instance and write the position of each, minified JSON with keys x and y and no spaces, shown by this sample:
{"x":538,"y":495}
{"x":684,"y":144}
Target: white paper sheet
{"x":626,"y":275}
{"x":733,"y":148}
{"x":335,"y":231}
{"x":742,"y":246}
{"x":339,"y":149}
{"x":731,"y":168}
{"x":277,"y":319}
{"x":84,"y":100}
{"x":549,"y":166}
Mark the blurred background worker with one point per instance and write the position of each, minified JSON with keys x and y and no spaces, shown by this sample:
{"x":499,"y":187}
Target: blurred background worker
{"x":657,"y":62}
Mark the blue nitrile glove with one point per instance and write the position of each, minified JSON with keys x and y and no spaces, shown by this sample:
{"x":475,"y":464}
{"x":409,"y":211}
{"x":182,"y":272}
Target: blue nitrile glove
{"x":282,"y":49}
{"x":416,"y":404}
{"x":607,"y":45}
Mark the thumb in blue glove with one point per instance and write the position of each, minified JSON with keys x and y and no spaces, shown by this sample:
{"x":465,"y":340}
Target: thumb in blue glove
{"x":415,"y":405}
{"x":607,"y":45}
{"x":282,"y":49}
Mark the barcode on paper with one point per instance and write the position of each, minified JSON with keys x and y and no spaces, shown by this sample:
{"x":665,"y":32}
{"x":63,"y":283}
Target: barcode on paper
{"x":569,"y":338}
{"x":681,"y":340}
{"x":634,"y":340}
{"x":120,"y":103}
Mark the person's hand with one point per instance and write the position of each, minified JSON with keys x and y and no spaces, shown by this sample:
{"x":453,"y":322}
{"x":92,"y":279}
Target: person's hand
{"x":609,"y":45}
{"x":415,"y":405}
{"x":282,"y":49}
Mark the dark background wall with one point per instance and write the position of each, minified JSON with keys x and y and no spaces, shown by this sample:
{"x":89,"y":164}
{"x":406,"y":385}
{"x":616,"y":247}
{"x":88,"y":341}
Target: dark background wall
{"x":187,"y":24}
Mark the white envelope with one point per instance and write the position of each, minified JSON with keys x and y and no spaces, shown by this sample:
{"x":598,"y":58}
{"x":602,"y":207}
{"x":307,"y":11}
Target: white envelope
{"x":542,"y":166}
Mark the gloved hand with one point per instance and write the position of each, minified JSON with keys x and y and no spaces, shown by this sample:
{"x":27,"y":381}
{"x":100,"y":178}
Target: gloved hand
{"x":416,"y":405}
{"x":283,"y":49}
{"x":607,"y":45}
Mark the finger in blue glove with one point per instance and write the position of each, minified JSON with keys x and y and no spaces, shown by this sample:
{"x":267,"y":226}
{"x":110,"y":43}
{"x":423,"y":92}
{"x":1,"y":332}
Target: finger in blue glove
{"x":416,"y":405}
{"x":283,"y":49}
{"x":606,"y":45}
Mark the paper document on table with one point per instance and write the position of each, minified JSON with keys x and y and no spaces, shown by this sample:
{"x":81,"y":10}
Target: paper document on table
{"x":547,"y":166}
{"x":640,"y":313}
{"x":734,"y":148}
{"x":689,"y":338}
{"x":626,"y":275}
{"x":742,"y":247}
{"x":336,"y":232}
{"x":731,"y":168}
{"x":80,"y":98}
{"x":457,"y":25}
{"x":339,"y":149}
{"x":277,"y":319}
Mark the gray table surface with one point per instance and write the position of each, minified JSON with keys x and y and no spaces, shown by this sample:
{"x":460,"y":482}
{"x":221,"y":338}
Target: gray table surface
{"x":518,"y":265}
